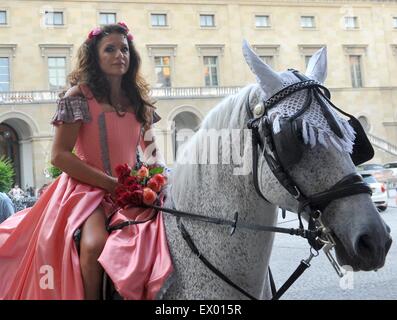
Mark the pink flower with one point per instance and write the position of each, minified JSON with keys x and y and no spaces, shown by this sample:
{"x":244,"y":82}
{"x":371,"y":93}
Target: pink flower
{"x":123,"y":24}
{"x":94,"y":32}
{"x":149,"y":196}
{"x":143,"y":172}
{"x":130,"y":37}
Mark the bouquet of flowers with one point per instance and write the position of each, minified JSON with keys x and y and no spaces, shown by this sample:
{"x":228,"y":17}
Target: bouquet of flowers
{"x":139,"y":185}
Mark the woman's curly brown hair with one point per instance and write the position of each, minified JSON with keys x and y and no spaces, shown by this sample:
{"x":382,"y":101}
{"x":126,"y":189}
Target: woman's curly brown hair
{"x":88,"y":72}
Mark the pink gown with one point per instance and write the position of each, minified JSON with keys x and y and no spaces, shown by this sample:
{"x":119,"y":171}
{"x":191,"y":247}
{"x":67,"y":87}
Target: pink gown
{"x":38,"y":255}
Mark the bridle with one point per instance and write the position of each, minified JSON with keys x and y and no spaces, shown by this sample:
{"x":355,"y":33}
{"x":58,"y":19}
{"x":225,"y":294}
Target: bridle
{"x":317,"y":234}
{"x":315,"y":204}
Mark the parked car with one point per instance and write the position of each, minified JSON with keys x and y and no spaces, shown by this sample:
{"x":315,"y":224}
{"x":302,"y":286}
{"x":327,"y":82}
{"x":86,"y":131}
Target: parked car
{"x":370,"y":167}
{"x":392,"y":181}
{"x":379,"y":192}
{"x":377,"y":170}
{"x":391,"y":166}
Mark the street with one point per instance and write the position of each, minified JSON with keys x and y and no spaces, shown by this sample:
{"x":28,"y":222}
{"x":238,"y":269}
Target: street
{"x":320,"y":281}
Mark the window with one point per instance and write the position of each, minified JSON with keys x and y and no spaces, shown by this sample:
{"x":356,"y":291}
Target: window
{"x":163,"y":71}
{"x":262,"y":21}
{"x":351,"y":22}
{"x":307,"y":22}
{"x":54,"y":18}
{"x":268,"y":60}
{"x":3,"y":17}
{"x":364,"y":123}
{"x":395,"y":22}
{"x":355,"y":71}
{"x":307,"y":59}
{"x":107,"y":18}
{"x":57,"y":72}
{"x":207,"y":20}
{"x":211,"y":71}
{"x":159,"y":20}
{"x":4,"y":74}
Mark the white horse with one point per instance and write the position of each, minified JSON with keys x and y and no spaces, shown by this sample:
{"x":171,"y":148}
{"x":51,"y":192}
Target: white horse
{"x":202,"y":185}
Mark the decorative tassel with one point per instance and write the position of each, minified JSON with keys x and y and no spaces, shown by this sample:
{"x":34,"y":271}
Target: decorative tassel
{"x":312,"y":136}
{"x":321,"y":139}
{"x":304,"y":132}
{"x":276,"y":124}
{"x":349,"y":130}
{"x":335,"y":143}
{"x":348,"y":145}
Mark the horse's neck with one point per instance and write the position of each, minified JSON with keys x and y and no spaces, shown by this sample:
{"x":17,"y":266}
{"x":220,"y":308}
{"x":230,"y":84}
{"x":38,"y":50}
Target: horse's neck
{"x":218,"y":193}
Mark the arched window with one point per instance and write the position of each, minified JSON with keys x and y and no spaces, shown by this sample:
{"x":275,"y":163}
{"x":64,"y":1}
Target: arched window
{"x":185,"y":124}
{"x":364,"y":122}
{"x":9,"y":147}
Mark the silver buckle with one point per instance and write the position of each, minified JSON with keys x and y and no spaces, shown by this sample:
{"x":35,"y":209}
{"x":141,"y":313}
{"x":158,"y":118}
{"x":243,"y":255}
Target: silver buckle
{"x":329,"y":244}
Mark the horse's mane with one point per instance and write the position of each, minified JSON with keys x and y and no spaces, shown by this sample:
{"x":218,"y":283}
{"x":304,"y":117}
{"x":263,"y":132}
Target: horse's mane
{"x":230,"y":112}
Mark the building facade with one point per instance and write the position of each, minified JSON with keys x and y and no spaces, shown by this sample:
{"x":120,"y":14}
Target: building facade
{"x":191,"y":56}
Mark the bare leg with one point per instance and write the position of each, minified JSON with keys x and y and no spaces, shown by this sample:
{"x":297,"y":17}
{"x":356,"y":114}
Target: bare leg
{"x":93,"y":239}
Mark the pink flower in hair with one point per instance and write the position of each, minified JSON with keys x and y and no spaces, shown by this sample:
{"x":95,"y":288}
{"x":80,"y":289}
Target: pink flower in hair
{"x":94,"y":32}
{"x":123,"y":24}
{"x":130,"y":37}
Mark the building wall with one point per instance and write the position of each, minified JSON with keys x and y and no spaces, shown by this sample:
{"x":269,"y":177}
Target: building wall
{"x":30,"y":42}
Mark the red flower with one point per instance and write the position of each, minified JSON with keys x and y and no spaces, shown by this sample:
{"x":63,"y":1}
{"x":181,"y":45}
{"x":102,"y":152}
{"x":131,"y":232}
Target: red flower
{"x":123,"y":171}
{"x":123,"y":199}
{"x":154,"y":185}
{"x":135,"y":186}
{"x":160,"y":179}
{"x":130,"y":181}
{"x":136,"y":198}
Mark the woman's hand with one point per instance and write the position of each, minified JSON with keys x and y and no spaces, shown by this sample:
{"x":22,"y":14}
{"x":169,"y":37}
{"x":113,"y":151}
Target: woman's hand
{"x":111,"y":186}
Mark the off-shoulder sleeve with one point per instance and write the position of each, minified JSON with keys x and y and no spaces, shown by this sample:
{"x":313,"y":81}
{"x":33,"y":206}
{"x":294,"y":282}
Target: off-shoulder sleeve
{"x":156,"y":118}
{"x":71,"y":109}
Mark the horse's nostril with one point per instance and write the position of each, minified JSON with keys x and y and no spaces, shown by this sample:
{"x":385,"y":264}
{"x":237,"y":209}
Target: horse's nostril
{"x":364,"y":245}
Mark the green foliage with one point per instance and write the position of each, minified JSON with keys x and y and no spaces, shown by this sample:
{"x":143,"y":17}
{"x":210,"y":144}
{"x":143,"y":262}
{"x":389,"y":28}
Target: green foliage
{"x":156,"y":170}
{"x":7,"y":174}
{"x":54,"y":172}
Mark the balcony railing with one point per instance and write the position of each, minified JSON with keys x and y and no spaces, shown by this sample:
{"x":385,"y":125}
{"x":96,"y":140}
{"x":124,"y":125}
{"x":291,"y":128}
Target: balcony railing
{"x":29,"y":97}
{"x":383,"y":144}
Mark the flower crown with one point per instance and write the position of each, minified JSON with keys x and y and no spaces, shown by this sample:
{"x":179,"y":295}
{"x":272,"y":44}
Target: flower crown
{"x":98,"y":30}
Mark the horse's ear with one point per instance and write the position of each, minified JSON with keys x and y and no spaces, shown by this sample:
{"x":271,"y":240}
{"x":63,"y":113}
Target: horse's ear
{"x":269,"y":80}
{"x":317,"y":66}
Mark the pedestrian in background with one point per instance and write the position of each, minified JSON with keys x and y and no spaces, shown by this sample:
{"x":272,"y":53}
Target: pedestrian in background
{"x":17,"y":193}
{"x":6,"y":207}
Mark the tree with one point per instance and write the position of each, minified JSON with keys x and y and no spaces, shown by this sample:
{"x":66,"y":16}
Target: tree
{"x":7,"y":174}
{"x":54,"y":172}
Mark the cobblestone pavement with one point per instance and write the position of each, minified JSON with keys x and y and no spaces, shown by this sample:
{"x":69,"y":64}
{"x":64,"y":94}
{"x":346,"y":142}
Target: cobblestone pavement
{"x":320,"y":282}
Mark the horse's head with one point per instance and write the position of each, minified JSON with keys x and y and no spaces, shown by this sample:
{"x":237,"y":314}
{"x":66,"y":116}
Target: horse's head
{"x":314,"y":146}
